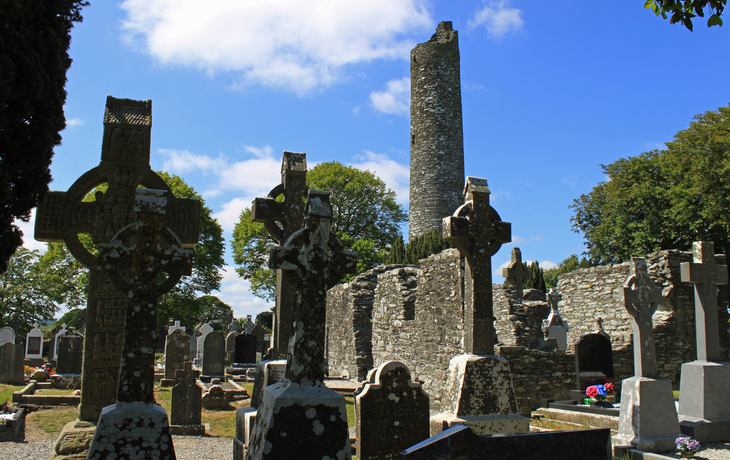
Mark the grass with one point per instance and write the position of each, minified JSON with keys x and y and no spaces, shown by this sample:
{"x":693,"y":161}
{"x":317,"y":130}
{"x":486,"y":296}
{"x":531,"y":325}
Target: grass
{"x":52,"y":420}
{"x":55,"y":392}
{"x":6,"y":392}
{"x":350,"y":406}
{"x":676,"y":394}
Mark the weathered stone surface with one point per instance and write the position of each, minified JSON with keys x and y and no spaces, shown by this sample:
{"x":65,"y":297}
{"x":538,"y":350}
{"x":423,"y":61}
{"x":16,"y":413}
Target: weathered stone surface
{"x":202,"y":332}
{"x":515,"y":273}
{"x":73,"y":442}
{"x":7,"y":335}
{"x":70,"y":353}
{"x":11,"y":363}
{"x":186,"y":401}
{"x":54,"y":345}
{"x":554,"y":327}
{"x":231,"y":346}
{"x":177,"y":352}
{"x":268,"y":372}
{"x":215,"y":399}
{"x":437,"y":142}
{"x":245,"y":349}
{"x":461,"y":443}
{"x":214,"y":362}
{"x":391,"y":413}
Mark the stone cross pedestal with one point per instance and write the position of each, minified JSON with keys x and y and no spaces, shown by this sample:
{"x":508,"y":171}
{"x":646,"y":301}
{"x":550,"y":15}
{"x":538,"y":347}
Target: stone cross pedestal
{"x":648,"y":418}
{"x":301,"y":416}
{"x":479,"y":390}
{"x":515,"y":273}
{"x":704,"y":406}
{"x":282,"y":219}
{"x":135,"y":425}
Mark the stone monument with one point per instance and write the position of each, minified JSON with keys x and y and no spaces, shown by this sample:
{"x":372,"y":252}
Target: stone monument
{"x":648,"y":418}
{"x":135,"y":426}
{"x":186,"y":403}
{"x":62,"y":216}
{"x":7,"y":335}
{"x":301,"y":414}
{"x":34,"y":343}
{"x":479,"y":391}
{"x":55,"y":341}
{"x":177,"y":353}
{"x":704,"y":406}
{"x":554,"y":327}
{"x":515,"y":273}
{"x":11,"y":364}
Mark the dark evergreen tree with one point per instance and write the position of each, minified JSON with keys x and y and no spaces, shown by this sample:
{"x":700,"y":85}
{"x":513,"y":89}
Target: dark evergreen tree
{"x":34,"y":39}
{"x":417,"y":248}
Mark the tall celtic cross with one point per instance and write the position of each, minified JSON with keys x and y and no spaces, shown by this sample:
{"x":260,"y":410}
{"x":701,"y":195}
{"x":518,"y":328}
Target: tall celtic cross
{"x":641,"y":298}
{"x":478,"y":232}
{"x":706,"y":275}
{"x":515,"y":273}
{"x":282,"y":219}
{"x":63,"y":216}
{"x":313,"y":260}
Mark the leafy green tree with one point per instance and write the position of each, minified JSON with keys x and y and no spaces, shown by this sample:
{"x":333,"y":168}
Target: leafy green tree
{"x":73,"y":318}
{"x":214,"y":311}
{"x":682,"y":11}
{"x":664,"y":199}
{"x":568,"y":265}
{"x":265,"y":319}
{"x":365,"y":217}
{"x":35,"y":38}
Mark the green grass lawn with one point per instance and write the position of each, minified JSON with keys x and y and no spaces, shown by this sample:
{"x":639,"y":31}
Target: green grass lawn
{"x":6,"y":392}
{"x":52,"y":420}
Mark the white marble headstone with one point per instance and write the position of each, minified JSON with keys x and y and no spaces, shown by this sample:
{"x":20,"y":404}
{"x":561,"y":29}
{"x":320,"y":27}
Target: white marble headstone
{"x":34,"y":343}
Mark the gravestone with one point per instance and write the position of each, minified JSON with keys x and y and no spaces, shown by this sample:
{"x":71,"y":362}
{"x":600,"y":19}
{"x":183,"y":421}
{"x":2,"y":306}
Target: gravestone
{"x":593,"y":358}
{"x":55,"y":340}
{"x":135,"y":425}
{"x":7,"y":335}
{"x":554,"y":327}
{"x":215,"y":399}
{"x":185,"y":405}
{"x":282,"y":219}
{"x":11,"y":364}
{"x":268,"y":372}
{"x":177,"y":353}
{"x":479,"y":390}
{"x":245,"y":349}
{"x":34,"y":343}
{"x":249,"y":325}
{"x":704,"y":406}
{"x":214,"y":354}
{"x":301,"y":414}
{"x":515,"y":273}
{"x":648,"y":418}
{"x":233,"y":326}
{"x":203,"y":332}
{"x":231,"y":346}
{"x":174,"y":327}
{"x":15,"y":323}
{"x":391,"y":413}
{"x":62,"y":216}
{"x":70,"y":353}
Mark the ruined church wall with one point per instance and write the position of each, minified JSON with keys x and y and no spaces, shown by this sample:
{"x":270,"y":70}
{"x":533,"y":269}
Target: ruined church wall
{"x":518,"y":322}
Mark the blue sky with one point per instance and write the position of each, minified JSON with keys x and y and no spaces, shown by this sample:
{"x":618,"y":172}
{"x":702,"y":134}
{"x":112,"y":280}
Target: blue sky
{"x":551,"y":90}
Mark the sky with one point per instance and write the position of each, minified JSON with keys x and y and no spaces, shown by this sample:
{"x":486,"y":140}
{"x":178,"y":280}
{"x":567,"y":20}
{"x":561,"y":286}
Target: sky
{"x":550,"y":92}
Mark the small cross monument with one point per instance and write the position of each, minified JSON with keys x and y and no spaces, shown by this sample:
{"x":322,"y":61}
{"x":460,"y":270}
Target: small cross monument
{"x":515,"y":273}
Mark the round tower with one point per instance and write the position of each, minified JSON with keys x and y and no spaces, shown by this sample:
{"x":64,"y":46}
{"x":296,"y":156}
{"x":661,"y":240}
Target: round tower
{"x":437,"y":141}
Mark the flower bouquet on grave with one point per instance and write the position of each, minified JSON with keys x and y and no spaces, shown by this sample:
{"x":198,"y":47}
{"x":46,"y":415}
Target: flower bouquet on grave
{"x":687,"y":446}
{"x":598,"y":393}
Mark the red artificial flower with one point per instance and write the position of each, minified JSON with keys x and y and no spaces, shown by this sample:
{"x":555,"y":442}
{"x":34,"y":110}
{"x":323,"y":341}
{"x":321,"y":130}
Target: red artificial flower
{"x":592,"y":392}
{"x":609,"y":388}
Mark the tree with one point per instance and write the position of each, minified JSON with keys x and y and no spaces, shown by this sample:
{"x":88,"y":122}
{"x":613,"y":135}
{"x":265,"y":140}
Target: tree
{"x":537,"y":280}
{"x":265,"y":319}
{"x":417,"y":248}
{"x":568,"y":265}
{"x":73,"y":318}
{"x":684,"y":11}
{"x":214,"y":311}
{"x":35,"y":38}
{"x":365,"y":217}
{"x":664,"y":199}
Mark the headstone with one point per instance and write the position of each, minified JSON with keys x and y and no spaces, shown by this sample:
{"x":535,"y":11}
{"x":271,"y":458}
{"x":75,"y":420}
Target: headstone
{"x":391,"y":413}
{"x":479,"y":389}
{"x":593,"y":358}
{"x":515,"y":273}
{"x":15,"y":323}
{"x":245,"y":351}
{"x":146,"y":248}
{"x":268,"y":373}
{"x":11,"y":364}
{"x":177,"y":352}
{"x":203,"y":332}
{"x":302,"y":407}
{"x":34,"y":343}
{"x":7,"y":335}
{"x":174,"y":327}
{"x":233,"y":326}
{"x":648,"y":418}
{"x":214,"y":354}
{"x":459,"y":442}
{"x":62,"y":216}
{"x":55,"y":341}
{"x":215,"y":399}
{"x":231,"y":346}
{"x":249,"y":325}
{"x":704,"y":406}
{"x":70,"y":353}
{"x":185,"y":405}
{"x":282,"y":219}
{"x":554,"y":327}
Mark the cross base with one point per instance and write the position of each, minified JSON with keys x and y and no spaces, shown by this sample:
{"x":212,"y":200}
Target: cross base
{"x":704,"y":408}
{"x":73,"y":442}
{"x":132,"y":431}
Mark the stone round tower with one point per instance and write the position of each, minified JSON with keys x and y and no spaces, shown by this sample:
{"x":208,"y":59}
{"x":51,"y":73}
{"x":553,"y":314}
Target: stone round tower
{"x":437,"y":141}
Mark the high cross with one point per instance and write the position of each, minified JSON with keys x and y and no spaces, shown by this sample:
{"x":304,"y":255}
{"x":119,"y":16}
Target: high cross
{"x":62,"y":216}
{"x":706,"y":275}
{"x":313,"y":260}
{"x":478,"y":232}
{"x":641,"y":298}
{"x":282,"y":219}
{"x":515,"y":273}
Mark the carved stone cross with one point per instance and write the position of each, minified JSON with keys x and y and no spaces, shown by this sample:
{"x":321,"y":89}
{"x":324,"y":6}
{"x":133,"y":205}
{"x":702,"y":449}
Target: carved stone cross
{"x":282,"y":219}
{"x":313,"y":260}
{"x":515,"y":273}
{"x":62,"y":216}
{"x":641,"y":298}
{"x":705,"y":275}
{"x":478,"y":232}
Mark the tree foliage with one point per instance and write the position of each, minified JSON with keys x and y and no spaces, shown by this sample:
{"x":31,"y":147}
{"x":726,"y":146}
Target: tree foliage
{"x":73,"y":318}
{"x":265,"y":319}
{"x":537,"y":279}
{"x":34,"y":38}
{"x":682,"y":11}
{"x":664,"y":199}
{"x":568,"y":265}
{"x":365,"y":217}
{"x":417,"y":248}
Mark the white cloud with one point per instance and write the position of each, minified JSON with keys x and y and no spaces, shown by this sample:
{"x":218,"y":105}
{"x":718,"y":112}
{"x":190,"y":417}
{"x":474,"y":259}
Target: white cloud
{"x":497,"y":19}
{"x":236,"y":292}
{"x":395,"y":99}
{"x":291,"y":44}
{"x":547,"y":264}
{"x":74,"y":122}
{"x":28,"y":229}
{"x":395,"y":175}
{"x":183,"y":161}
{"x":231,"y":211}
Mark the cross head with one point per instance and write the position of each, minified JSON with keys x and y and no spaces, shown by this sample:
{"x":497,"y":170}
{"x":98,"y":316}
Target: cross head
{"x":515,"y":273}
